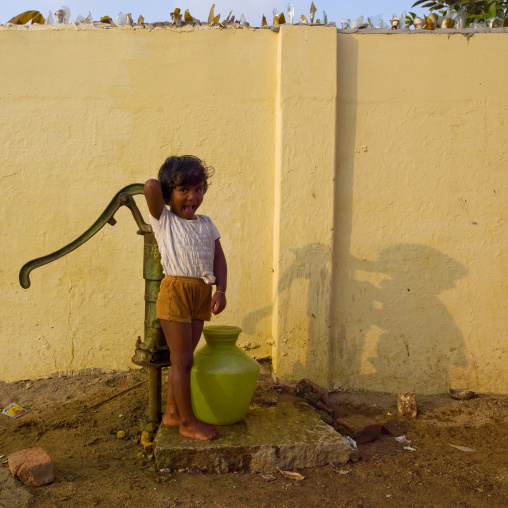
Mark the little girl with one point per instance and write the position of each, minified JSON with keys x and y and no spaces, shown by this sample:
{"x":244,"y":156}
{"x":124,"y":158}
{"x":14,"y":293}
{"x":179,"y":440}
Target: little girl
{"x":192,"y":260}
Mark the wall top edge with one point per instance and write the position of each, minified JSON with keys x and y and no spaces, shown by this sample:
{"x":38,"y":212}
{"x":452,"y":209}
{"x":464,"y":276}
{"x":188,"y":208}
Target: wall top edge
{"x":163,"y":25}
{"x":192,"y":27}
{"x":438,"y":31}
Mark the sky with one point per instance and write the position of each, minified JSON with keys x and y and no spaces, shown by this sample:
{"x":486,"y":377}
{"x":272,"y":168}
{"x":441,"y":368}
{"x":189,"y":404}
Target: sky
{"x":159,"y":10}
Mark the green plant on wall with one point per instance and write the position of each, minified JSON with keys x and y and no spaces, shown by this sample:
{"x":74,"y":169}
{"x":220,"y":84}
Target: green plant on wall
{"x":475,"y":10}
{"x":410,"y":18}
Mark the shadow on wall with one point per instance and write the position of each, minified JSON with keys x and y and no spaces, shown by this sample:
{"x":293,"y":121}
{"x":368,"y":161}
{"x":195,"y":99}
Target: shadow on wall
{"x":399,"y":331}
{"x":389,"y":327}
{"x":395,"y":329}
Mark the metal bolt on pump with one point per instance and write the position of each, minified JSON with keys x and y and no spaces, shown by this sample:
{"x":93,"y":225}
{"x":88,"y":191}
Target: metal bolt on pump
{"x":152,"y":352}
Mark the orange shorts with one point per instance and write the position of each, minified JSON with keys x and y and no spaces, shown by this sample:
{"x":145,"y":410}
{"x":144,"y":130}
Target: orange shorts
{"x":184,"y":299}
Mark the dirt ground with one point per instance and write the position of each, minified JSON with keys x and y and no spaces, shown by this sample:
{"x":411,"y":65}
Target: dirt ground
{"x":76,"y":420}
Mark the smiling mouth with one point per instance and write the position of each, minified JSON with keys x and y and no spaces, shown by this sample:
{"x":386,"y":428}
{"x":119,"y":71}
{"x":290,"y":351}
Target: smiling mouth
{"x":189,"y":209}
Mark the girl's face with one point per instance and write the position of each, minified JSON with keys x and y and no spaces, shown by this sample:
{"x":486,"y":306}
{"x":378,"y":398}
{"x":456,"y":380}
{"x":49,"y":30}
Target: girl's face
{"x":186,"y":199}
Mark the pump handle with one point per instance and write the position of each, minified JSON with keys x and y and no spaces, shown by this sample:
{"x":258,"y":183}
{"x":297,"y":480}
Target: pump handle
{"x":122,"y":198}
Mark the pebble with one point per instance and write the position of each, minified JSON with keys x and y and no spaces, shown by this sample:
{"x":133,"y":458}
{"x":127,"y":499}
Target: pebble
{"x":145,"y":437}
{"x":120,"y":434}
{"x":148,"y":447}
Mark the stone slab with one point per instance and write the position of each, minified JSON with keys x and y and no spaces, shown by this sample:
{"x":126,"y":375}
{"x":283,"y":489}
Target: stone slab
{"x":286,"y":436}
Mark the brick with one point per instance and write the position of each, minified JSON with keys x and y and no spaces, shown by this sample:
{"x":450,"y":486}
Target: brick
{"x":310,"y":391}
{"x":32,"y":466}
{"x":326,"y":417}
{"x":361,"y":429}
{"x":324,"y":405}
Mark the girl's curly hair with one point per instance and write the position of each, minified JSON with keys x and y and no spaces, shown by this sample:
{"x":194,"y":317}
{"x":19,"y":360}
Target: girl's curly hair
{"x":183,"y":170}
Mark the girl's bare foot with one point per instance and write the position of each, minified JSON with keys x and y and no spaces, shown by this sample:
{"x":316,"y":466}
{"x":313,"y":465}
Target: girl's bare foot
{"x":199,"y":430}
{"x":172,"y":419}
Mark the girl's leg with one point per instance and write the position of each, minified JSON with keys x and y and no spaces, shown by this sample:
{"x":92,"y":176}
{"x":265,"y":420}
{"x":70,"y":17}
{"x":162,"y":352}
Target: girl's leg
{"x":181,"y":339}
{"x":171,"y":416}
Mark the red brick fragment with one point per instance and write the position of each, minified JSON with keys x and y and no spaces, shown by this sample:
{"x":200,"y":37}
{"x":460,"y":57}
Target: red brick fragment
{"x":32,"y":466}
{"x":311,"y":391}
{"x":361,"y":429}
{"x":324,"y":405}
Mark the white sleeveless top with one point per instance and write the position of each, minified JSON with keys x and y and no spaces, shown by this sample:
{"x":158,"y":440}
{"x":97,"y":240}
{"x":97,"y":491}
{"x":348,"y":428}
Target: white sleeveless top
{"x":187,"y":247}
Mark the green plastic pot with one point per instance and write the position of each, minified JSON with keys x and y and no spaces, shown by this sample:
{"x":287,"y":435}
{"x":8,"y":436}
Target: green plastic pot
{"x":223,"y":378}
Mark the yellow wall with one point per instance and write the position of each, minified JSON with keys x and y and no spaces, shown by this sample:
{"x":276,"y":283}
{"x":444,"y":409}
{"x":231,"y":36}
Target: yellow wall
{"x":84,"y":113}
{"x":421,"y":264}
{"x":359,"y":191}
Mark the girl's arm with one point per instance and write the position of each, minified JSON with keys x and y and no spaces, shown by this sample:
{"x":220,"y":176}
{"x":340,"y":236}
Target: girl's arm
{"x":220,"y":270}
{"x":154,"y":199}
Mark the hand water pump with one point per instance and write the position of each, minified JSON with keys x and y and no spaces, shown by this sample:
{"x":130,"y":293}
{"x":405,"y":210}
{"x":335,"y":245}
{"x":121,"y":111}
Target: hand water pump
{"x":152,"y":352}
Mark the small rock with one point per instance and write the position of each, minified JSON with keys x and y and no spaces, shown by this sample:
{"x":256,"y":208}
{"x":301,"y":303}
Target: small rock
{"x":246,"y":346}
{"x":120,"y":434}
{"x":32,"y":466}
{"x":355,"y":456}
{"x":461,"y":394}
{"x":406,"y":402}
{"x":268,"y":401}
{"x":148,"y":446}
{"x":145,"y":437}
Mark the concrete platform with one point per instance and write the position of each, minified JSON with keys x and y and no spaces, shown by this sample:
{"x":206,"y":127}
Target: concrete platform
{"x":286,"y":436}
